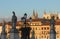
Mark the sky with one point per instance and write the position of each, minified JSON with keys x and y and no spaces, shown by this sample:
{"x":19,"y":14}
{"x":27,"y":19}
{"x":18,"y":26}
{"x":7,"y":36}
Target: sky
{"x":27,"y":6}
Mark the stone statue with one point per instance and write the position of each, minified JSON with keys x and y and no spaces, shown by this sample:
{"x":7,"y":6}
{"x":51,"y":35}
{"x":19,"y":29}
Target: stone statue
{"x":52,"y":28}
{"x":14,"y":33}
{"x":52,"y":22}
{"x":3,"y":33}
{"x":14,"y":20}
{"x":3,"y":27}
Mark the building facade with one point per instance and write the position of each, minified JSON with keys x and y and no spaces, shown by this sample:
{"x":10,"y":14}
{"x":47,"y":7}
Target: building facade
{"x":41,"y":31}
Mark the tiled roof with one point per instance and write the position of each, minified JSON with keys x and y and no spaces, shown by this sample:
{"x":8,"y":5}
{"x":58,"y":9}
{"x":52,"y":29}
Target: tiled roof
{"x":34,"y":20}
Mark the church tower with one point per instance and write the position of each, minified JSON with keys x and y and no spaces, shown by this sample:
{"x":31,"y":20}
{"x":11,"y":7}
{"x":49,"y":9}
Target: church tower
{"x":36,"y":15}
{"x":33,"y":13}
{"x":33,"y":16}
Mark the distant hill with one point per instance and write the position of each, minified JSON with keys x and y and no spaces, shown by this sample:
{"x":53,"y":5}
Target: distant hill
{"x":9,"y":19}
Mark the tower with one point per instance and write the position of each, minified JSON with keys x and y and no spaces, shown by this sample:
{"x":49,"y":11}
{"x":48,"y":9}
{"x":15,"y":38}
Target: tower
{"x":52,"y":28}
{"x":33,"y":16}
{"x":36,"y":14}
{"x":3,"y":34}
{"x":33,"y":13}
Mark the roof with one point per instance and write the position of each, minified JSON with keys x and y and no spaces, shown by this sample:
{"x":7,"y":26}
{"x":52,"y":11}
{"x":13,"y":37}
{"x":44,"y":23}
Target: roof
{"x":57,"y":22}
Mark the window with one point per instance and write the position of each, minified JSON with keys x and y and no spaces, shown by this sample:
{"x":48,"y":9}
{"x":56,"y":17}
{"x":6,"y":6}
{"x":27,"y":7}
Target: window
{"x":44,"y":28}
{"x":31,"y":24}
{"x":57,"y":36}
{"x":34,"y":24}
{"x":47,"y":28}
{"x":57,"y":32}
{"x":47,"y":37}
{"x":48,"y":32}
{"x":36,"y":28}
{"x":44,"y":36}
{"x":42,"y":32}
{"x":39,"y":28}
{"x":37,"y":24}
{"x":33,"y":28}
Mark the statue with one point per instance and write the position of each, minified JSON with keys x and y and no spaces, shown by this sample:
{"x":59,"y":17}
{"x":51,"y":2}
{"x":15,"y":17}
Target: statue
{"x":3,"y":34}
{"x":52,"y":22}
{"x":3,"y":27}
{"x":52,"y":28}
{"x":14,"y":20}
{"x":14,"y":33}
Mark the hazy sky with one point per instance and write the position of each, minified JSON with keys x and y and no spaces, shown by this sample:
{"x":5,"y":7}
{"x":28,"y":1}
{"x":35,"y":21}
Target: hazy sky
{"x":27,"y":6}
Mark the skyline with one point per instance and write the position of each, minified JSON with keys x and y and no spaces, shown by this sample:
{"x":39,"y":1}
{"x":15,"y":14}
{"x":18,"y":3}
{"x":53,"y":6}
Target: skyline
{"x":27,"y":6}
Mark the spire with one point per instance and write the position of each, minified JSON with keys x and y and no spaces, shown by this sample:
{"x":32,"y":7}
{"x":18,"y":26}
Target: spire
{"x":36,"y":14}
{"x":33,"y":16}
{"x":33,"y":12}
